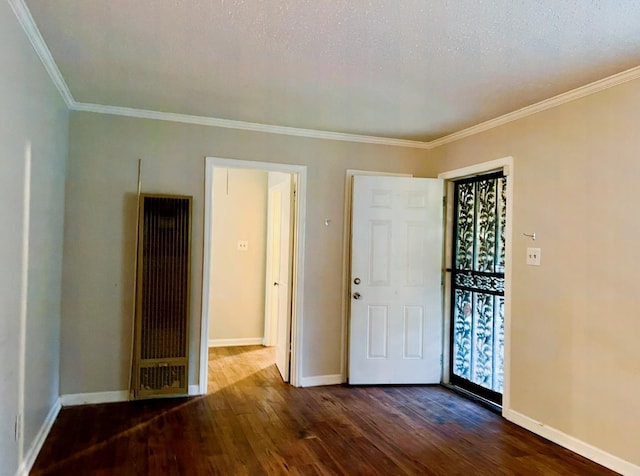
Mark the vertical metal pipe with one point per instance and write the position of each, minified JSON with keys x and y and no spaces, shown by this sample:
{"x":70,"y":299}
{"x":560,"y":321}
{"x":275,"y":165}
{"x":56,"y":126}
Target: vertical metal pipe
{"x":135,"y":277}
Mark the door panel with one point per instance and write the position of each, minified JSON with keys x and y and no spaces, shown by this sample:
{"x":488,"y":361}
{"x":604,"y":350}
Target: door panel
{"x":378,"y":328}
{"x":396,"y":314}
{"x":283,"y":340}
{"x":413,"y":331}
{"x":279,"y":244}
{"x":380,"y":257}
{"x":273,"y":265}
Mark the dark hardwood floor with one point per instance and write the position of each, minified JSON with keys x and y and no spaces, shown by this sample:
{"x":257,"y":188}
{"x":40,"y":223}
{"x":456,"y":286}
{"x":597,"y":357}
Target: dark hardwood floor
{"x":251,"y":423}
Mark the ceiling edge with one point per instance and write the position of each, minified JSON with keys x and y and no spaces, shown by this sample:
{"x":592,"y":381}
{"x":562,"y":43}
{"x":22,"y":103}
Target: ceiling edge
{"x":582,"y":91}
{"x":246,"y":126}
{"x":31,"y":30}
{"x":29,"y":26}
{"x":21,"y":10}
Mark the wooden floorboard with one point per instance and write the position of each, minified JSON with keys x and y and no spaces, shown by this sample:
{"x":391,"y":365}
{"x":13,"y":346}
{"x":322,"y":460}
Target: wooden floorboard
{"x":250,"y":423}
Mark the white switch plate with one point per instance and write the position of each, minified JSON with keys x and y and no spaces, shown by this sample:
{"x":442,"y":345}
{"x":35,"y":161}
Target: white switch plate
{"x":533,"y":256}
{"x":243,"y":245}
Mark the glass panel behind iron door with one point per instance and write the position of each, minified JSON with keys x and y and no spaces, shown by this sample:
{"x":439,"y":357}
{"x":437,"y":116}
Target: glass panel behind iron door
{"x":477,"y":321}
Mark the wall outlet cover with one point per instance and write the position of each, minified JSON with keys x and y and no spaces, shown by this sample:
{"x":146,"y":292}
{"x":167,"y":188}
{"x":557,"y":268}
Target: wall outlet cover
{"x":533,"y":256}
{"x":243,"y":245}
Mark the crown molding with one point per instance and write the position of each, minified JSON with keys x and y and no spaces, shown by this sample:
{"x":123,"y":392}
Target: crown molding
{"x":28,"y":25}
{"x":246,"y":126}
{"x":582,"y":91}
{"x":25,"y":19}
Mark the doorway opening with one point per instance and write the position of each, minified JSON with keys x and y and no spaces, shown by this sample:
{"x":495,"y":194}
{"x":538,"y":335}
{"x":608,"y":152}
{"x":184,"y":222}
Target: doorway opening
{"x":477,"y":285}
{"x":477,"y":282}
{"x":263,"y":205}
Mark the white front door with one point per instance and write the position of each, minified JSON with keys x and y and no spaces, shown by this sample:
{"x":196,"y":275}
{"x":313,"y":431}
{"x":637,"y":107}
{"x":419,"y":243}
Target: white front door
{"x":278,"y":286}
{"x":396,"y":267}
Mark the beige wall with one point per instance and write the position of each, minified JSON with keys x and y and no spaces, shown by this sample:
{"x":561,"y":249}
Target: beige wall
{"x":575,"y":363}
{"x":238,"y":277}
{"x":32,"y":115}
{"x":575,"y":325}
{"x":100,"y":231}
{"x":574,"y":355}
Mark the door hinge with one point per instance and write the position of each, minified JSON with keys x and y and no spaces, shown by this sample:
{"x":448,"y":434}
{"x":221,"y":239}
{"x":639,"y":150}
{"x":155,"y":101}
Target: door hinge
{"x":444,"y":201}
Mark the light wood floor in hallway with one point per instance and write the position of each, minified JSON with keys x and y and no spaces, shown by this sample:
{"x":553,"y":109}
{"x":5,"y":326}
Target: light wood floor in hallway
{"x":251,"y":423}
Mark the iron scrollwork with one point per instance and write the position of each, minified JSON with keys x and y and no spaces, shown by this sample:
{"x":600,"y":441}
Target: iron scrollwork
{"x":478,"y":281}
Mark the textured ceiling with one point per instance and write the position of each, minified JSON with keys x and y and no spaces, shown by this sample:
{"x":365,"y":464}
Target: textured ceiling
{"x":410,"y":69}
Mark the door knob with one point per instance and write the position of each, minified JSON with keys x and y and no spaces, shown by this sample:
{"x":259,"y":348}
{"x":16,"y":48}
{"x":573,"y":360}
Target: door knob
{"x":356,"y":295}
{"x":276,"y":283}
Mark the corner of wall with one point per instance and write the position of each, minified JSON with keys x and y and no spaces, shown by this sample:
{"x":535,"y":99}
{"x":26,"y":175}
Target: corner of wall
{"x":36,"y":445}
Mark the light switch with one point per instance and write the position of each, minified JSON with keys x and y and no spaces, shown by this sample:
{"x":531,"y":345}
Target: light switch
{"x":243,"y":245}
{"x":533,"y":256}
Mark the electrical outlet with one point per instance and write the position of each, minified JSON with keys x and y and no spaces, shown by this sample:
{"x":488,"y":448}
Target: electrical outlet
{"x":533,"y":256}
{"x":243,"y":245}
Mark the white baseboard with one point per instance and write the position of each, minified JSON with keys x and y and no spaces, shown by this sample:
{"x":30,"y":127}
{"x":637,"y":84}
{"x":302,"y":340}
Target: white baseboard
{"x":38,"y":441}
{"x":235,"y":342}
{"x":74,"y":399}
{"x":319,"y":380}
{"x":574,"y":444}
{"x":93,"y":398}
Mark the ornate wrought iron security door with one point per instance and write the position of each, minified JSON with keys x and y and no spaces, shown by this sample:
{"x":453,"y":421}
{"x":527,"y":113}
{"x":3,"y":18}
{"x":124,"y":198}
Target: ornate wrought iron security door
{"x":477,"y":320}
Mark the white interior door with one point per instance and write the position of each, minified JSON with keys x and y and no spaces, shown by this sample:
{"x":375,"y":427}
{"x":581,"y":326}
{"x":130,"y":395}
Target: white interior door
{"x":278,"y":284}
{"x":272,"y":267}
{"x":395,"y":333}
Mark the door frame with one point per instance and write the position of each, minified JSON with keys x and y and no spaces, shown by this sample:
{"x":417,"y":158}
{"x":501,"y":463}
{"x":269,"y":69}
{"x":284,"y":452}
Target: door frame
{"x":504,"y":165}
{"x":346,"y":260}
{"x":299,"y":172}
